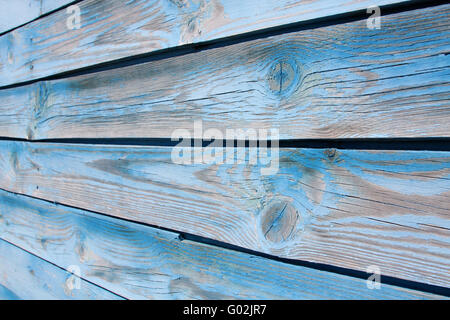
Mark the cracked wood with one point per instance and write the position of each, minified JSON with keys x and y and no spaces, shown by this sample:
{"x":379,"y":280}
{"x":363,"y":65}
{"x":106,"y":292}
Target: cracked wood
{"x":342,"y":81}
{"x":117,"y":29}
{"x":140,"y":262}
{"x":346,"y":208}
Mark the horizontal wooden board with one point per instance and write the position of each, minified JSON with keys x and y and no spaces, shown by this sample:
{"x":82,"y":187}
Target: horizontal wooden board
{"x":115,"y":29}
{"x":341,"y":81}
{"x":345,"y":208}
{"x":25,"y":276}
{"x":140,"y":262}
{"x":17,"y":13}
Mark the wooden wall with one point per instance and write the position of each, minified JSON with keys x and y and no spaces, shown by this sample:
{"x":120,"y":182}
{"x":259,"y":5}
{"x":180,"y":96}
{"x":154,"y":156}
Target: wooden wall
{"x":93,"y":205}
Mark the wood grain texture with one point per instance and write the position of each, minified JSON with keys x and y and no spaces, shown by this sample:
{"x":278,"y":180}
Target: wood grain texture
{"x":16,"y":13}
{"x":347,"y":208}
{"x":140,"y":262}
{"x":25,"y":276}
{"x":116,"y":29}
{"x":341,"y":81}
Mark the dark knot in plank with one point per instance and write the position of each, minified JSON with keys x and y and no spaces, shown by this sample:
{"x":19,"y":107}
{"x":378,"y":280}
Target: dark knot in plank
{"x":282,"y":76}
{"x":332,"y":155}
{"x":278,"y":220}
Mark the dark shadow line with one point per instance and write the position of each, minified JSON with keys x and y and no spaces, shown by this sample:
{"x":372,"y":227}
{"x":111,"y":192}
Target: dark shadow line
{"x":405,"y":144}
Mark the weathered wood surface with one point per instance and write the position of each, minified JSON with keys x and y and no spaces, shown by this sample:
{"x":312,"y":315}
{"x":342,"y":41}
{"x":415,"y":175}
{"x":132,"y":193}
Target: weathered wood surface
{"x":338,"y":82}
{"x":25,"y":276}
{"x":141,"y":262}
{"x":346,"y":208}
{"x":16,"y":13}
{"x":110,"y":30}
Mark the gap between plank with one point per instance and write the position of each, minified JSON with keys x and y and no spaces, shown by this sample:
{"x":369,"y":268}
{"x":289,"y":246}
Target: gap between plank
{"x":404,"y":144}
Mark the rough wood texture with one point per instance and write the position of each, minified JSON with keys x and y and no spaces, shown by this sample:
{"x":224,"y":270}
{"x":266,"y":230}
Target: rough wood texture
{"x":142,"y":262}
{"x":338,"y":81}
{"x":116,"y":29}
{"x":16,"y":13}
{"x":346,"y":208}
{"x":25,"y":276}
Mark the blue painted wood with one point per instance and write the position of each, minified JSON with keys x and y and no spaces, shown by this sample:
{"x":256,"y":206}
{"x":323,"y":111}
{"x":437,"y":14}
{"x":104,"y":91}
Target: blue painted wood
{"x":140,"y":262}
{"x":342,"y":81}
{"x":116,"y":29}
{"x":346,"y":208}
{"x":16,"y":13}
{"x":25,"y":276}
{"x":6,"y":294}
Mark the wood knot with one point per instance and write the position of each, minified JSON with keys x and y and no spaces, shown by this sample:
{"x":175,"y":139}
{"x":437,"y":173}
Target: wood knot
{"x":332,"y":154}
{"x":282,"y":76}
{"x":179,"y":3}
{"x":278,"y":220}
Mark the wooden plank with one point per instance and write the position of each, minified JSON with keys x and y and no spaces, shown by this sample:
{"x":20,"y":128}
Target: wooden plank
{"x":6,"y":294}
{"x":16,"y":13}
{"x":14,"y":112}
{"x":341,"y":81}
{"x":142,"y":262}
{"x":116,"y":29}
{"x":346,"y":208}
{"x":25,"y":276}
